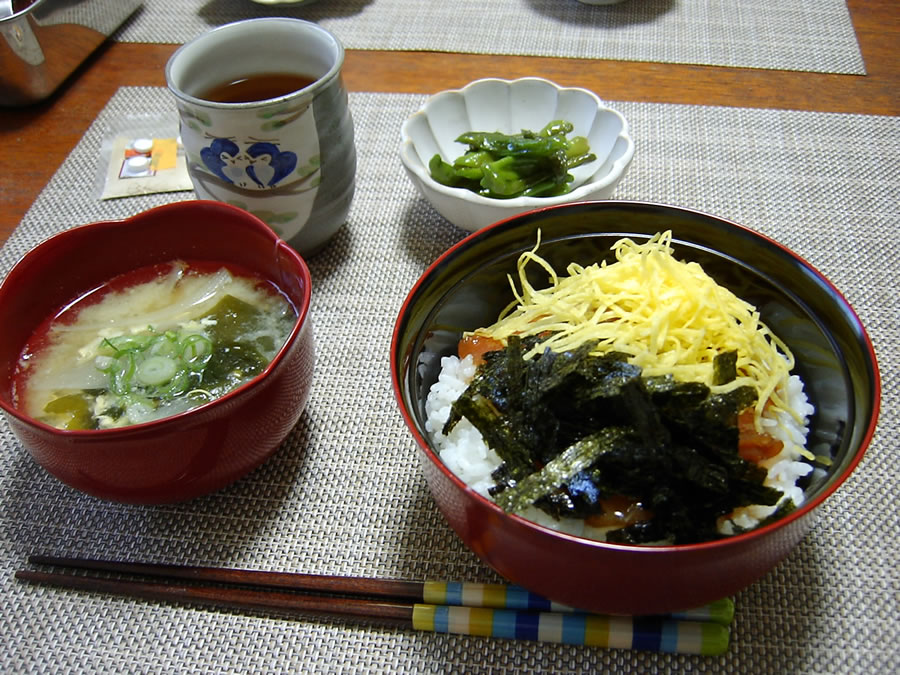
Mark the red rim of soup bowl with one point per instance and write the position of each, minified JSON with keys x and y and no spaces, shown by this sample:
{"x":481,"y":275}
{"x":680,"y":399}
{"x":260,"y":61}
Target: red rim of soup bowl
{"x":574,"y":570}
{"x":206,"y":447}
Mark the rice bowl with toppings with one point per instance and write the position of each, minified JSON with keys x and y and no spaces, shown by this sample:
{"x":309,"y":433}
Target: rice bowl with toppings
{"x":467,"y":287}
{"x":668,"y":324}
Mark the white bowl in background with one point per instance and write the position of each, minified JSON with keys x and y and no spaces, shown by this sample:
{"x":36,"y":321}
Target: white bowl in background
{"x":508,"y":106}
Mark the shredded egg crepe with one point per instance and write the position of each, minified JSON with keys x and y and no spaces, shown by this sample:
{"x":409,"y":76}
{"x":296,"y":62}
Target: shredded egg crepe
{"x":668,"y":316}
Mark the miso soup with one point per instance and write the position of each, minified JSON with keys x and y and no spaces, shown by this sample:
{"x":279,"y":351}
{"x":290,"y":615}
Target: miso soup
{"x":149,"y":344}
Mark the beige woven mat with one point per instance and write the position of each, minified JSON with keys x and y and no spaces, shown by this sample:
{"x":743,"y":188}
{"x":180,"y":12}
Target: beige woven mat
{"x":344,"y":494}
{"x":804,"y":35}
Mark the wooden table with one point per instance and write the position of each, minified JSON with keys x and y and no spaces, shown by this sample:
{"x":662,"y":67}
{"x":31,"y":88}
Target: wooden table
{"x":55,"y":125}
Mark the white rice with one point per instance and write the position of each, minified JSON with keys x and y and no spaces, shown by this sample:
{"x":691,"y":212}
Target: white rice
{"x":468,"y":456}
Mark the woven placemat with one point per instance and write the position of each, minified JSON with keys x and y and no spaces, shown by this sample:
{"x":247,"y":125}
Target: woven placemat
{"x":344,"y":495}
{"x":775,"y":34}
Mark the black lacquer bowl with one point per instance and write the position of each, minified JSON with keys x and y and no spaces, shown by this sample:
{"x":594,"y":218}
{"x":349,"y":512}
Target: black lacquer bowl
{"x":467,"y":287}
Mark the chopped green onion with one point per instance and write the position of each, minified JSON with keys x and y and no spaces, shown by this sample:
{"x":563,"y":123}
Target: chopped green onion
{"x":120,"y":372}
{"x":154,"y":365}
{"x":128,"y":342}
{"x":165,"y":345}
{"x":156,"y":370}
{"x":196,"y":351}
{"x":176,"y":386}
{"x":103,"y":363}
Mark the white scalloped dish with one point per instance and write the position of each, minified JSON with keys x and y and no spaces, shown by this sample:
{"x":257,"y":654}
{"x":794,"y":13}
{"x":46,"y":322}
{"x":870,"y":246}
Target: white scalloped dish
{"x":508,"y":106}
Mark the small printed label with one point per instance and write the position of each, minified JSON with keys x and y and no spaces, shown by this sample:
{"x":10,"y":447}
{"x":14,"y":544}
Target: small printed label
{"x":142,"y":166}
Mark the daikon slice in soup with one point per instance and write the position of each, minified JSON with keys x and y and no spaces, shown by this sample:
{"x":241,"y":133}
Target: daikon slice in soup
{"x":150,"y":344}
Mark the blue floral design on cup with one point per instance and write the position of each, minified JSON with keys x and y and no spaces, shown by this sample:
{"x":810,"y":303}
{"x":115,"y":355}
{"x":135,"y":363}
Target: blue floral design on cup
{"x":222,"y":157}
{"x":268,"y":164}
{"x":262,"y":162}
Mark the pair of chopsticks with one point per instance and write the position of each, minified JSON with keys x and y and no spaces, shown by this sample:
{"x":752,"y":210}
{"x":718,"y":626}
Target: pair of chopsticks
{"x":490,"y":610}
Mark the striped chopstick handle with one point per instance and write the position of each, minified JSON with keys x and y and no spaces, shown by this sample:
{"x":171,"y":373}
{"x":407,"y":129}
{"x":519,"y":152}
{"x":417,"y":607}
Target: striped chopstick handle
{"x":719,"y":611}
{"x":497,"y":596}
{"x":500,"y":596}
{"x":594,"y":630}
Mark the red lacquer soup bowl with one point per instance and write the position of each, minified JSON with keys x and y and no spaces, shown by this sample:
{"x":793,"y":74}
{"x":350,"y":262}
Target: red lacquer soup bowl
{"x":467,"y":287}
{"x":190,"y":453}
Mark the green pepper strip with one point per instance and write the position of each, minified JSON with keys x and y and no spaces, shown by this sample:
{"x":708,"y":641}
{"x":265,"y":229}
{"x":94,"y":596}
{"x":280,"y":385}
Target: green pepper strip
{"x":503,"y":166}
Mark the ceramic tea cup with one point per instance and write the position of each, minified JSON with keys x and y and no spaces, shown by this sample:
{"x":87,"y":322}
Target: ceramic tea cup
{"x":265,"y":124}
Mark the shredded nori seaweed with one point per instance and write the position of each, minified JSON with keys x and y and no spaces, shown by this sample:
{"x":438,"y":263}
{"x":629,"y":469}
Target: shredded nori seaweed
{"x":725,"y":367}
{"x":573,"y":428}
{"x":555,"y":473}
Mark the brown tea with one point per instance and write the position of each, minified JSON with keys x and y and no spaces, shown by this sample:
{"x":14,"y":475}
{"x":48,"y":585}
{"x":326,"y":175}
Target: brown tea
{"x":256,"y":87}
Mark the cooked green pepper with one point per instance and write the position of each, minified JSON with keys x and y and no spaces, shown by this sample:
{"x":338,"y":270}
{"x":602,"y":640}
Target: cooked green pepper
{"x":504,"y":166}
